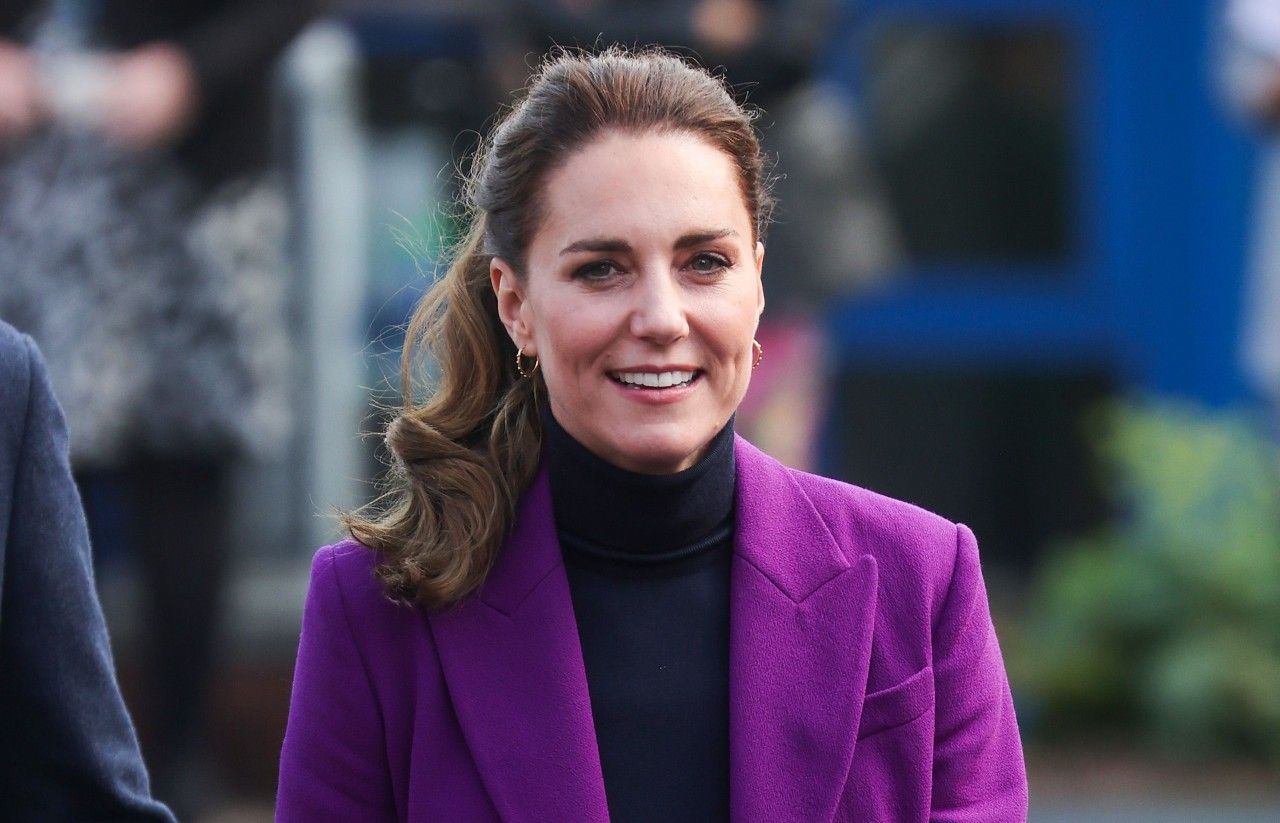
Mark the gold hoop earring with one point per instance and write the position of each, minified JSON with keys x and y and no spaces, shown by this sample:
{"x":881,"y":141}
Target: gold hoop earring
{"x":520,"y":363}
{"x":759,"y":350}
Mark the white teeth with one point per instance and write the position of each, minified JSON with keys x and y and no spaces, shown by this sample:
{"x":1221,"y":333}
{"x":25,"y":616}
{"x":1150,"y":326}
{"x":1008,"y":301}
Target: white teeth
{"x":656,"y":380}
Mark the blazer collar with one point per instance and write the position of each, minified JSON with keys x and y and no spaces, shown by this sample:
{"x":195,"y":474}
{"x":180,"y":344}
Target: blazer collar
{"x":801,"y":617}
{"x":513,"y":667}
{"x":800,"y":625}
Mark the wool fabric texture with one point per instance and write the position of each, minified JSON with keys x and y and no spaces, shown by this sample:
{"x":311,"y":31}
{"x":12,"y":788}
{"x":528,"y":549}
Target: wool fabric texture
{"x":865,"y":678}
{"x":67,"y":744}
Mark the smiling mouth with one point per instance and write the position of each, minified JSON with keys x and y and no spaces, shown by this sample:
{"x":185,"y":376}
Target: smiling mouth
{"x":655,"y":380}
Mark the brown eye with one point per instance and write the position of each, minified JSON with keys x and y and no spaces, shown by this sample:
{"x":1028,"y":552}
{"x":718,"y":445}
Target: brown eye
{"x":708,"y":263}
{"x":598,"y":270}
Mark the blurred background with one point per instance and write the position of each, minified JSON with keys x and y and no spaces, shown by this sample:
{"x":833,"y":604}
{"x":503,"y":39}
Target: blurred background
{"x":1026,"y":273}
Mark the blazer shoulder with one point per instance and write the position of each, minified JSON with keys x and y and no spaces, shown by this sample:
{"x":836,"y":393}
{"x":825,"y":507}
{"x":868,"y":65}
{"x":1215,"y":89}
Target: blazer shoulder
{"x":351,"y":627}
{"x":347,"y":572}
{"x":19,"y":363}
{"x":916,"y":550}
{"x":12,"y":341}
{"x":875,"y":519}
{"x":27,"y":407}
{"x":344,"y":582}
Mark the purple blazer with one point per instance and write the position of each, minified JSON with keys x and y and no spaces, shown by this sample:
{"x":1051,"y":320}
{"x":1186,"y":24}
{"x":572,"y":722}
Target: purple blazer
{"x":865,"y":681}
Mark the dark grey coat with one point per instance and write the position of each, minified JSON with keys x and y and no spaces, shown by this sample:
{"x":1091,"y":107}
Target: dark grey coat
{"x":67,"y":746}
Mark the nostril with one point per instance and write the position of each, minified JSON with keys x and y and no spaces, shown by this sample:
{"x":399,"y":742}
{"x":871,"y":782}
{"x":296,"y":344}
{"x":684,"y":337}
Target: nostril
{"x":659,"y":325}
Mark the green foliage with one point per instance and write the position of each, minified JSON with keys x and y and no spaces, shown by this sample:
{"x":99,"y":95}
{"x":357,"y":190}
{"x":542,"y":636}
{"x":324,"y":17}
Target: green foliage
{"x":1167,"y":622}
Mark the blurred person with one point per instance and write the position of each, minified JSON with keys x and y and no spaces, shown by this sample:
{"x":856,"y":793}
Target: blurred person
{"x":142,"y":245}
{"x":768,"y":46}
{"x":586,"y":598}
{"x":833,"y":235}
{"x":67,"y":747}
{"x":1251,"y":75}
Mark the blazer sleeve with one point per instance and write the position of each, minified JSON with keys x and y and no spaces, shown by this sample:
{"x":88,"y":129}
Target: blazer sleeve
{"x":333,"y":763}
{"x":978,"y":769}
{"x":67,"y":746}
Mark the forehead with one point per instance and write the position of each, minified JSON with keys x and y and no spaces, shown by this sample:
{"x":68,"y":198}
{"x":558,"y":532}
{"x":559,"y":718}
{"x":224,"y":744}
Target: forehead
{"x":638,"y":186}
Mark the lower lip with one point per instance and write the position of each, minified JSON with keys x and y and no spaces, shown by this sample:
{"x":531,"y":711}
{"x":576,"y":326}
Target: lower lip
{"x":658,"y":396}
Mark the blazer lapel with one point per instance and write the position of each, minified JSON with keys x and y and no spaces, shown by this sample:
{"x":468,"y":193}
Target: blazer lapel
{"x":513,"y":665}
{"x":801,"y":620}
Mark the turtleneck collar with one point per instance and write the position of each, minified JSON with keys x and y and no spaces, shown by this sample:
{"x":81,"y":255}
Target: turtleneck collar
{"x":641,"y":516}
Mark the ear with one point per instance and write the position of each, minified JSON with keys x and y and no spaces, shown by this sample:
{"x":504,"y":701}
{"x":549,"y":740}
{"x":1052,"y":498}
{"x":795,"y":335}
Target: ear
{"x":510,"y":292}
{"x":759,"y":278}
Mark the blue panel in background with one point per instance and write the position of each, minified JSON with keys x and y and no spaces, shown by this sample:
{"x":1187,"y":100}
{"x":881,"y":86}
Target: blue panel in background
{"x":1160,"y":187}
{"x":386,"y":35}
{"x":969,"y":325}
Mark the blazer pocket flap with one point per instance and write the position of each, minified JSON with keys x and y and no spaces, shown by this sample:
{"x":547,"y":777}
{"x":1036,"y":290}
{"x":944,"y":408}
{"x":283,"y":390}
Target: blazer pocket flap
{"x":897,"y":705}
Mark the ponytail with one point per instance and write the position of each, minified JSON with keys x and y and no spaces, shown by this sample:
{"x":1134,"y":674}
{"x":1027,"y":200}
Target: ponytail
{"x":462,"y":459}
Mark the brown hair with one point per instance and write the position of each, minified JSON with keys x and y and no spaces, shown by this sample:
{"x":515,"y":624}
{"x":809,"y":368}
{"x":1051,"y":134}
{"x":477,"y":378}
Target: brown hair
{"x":462,"y":458}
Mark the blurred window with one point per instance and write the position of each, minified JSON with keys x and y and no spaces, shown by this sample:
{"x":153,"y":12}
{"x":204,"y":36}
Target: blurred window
{"x":971,"y":130}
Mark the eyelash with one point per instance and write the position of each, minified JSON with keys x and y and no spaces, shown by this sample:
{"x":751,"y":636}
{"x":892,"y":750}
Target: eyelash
{"x":721,"y":262}
{"x":585,"y":272}
{"x":590,"y":270}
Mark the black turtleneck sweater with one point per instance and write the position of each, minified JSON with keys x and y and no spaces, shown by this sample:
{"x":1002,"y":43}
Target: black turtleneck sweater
{"x":648,"y":564}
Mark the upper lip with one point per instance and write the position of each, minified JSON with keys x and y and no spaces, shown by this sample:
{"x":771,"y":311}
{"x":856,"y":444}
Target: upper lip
{"x":647,"y":369}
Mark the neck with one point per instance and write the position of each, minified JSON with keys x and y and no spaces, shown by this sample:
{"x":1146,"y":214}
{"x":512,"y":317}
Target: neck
{"x":640,"y":514}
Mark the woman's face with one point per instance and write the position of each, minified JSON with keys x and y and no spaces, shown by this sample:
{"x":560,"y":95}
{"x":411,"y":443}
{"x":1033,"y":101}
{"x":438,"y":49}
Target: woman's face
{"x":641,"y":298}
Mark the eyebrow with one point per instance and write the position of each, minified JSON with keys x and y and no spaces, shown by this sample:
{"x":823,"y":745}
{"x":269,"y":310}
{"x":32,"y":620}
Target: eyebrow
{"x":614,"y":244}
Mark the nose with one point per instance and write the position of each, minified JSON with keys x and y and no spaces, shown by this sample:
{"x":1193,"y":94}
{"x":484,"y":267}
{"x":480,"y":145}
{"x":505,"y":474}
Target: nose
{"x":659,"y":314}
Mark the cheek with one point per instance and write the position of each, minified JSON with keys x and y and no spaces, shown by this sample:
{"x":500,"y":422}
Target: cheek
{"x":732,"y":326}
{"x":569,"y":345}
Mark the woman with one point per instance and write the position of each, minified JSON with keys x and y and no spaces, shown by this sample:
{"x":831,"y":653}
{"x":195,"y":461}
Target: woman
{"x":587,"y":599}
